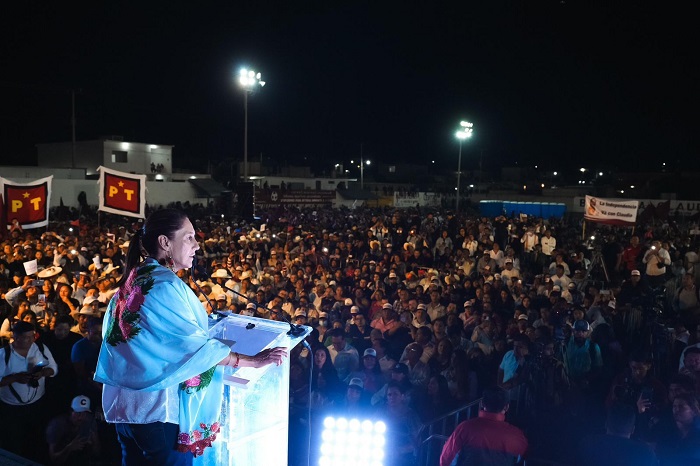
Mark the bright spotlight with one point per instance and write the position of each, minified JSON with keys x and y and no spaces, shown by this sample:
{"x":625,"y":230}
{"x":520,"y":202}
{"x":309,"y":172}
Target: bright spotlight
{"x":367,"y":162}
{"x":352,"y":442}
{"x":600,"y":173}
{"x":582,"y":170}
{"x":555,"y":173}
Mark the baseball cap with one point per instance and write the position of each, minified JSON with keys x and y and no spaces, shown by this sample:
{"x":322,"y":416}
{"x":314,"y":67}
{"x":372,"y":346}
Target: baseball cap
{"x":581,"y":326}
{"x":356,"y":382}
{"x":300,"y":313}
{"x":556,"y":288}
{"x":221,"y":297}
{"x":387,"y":306}
{"x":251,"y":306}
{"x":348,"y":302}
{"x":572,"y":285}
{"x":636,"y":272}
{"x":354,"y":310}
{"x":369,"y":352}
{"x":422,"y":306}
{"x":392,"y":274}
{"x":522,"y":317}
{"x":509,"y":261}
{"x":401,"y":368}
{"x":322,"y":315}
{"x":80,"y":404}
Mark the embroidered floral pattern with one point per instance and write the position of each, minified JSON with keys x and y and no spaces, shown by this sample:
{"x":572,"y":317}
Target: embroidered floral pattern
{"x":197,"y":440}
{"x":198,"y":382}
{"x":124,"y":309}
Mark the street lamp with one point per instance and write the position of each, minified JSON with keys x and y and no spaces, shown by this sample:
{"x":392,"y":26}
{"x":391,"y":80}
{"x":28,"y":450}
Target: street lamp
{"x":249,"y":80}
{"x":464,"y":132}
{"x":362,"y":172}
{"x":363,"y":162}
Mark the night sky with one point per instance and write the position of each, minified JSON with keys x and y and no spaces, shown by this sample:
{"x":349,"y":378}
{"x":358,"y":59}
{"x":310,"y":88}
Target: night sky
{"x":551,"y":83}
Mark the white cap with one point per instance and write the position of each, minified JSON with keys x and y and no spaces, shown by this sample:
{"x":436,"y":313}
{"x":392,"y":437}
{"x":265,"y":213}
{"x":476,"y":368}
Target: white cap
{"x":81,"y":404}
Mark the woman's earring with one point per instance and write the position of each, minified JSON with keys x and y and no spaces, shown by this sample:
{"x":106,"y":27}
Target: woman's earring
{"x":169,"y":262}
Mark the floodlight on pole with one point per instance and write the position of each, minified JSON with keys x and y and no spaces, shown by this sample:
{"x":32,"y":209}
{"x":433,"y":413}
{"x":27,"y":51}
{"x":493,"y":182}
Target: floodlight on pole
{"x":249,"y":80}
{"x":363,"y":162}
{"x":465,"y":132}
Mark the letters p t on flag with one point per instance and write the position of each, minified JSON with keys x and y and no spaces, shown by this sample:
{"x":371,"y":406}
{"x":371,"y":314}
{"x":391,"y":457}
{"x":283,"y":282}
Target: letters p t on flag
{"x":122,"y":193}
{"x":28,"y":203}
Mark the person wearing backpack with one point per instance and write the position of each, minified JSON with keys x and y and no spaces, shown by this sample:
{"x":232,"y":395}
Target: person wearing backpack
{"x":24,"y":366}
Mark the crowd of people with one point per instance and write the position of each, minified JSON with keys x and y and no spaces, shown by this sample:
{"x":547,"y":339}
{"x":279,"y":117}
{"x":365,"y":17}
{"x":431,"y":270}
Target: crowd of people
{"x":414,"y":314}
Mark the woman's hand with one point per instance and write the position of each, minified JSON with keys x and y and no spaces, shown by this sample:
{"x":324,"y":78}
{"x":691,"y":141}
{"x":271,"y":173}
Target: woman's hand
{"x":262,"y":359}
{"x":269,"y":356}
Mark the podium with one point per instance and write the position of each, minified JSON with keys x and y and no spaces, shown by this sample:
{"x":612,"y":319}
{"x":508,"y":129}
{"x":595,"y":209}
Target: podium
{"x":255,"y":412}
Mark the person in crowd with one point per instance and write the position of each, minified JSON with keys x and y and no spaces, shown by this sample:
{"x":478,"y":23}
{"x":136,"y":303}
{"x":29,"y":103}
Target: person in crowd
{"x":514,"y":367}
{"x":681,"y":444}
{"x":656,"y":259}
{"x":370,"y":373}
{"x":62,"y":386}
{"x":487,"y":439}
{"x":344,"y":356}
{"x":142,"y":315}
{"x":24,"y":365}
{"x":73,"y":438}
{"x":403,"y":426}
{"x":84,"y":355}
{"x":615,"y":447}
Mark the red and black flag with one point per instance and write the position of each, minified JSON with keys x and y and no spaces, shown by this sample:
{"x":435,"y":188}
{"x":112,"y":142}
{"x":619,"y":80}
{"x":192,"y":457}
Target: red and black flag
{"x":26,"y":204}
{"x":122,"y":193}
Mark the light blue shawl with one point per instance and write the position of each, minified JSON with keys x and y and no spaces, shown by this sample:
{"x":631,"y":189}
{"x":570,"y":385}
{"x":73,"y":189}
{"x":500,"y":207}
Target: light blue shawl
{"x":156,"y":336}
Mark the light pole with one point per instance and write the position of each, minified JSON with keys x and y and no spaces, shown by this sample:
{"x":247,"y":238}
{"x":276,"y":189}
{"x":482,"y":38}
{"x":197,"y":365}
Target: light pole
{"x":362,"y":168}
{"x":248,"y":79}
{"x":465,"y":132}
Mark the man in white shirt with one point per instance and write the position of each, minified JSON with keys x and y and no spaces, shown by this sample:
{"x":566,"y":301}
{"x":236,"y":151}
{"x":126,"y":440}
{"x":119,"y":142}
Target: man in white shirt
{"x":24,"y":366}
{"x":656,"y":259}
{"x":548,"y":242}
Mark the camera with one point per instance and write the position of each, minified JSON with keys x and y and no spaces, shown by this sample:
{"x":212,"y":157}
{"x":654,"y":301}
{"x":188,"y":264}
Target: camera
{"x":34,"y":383}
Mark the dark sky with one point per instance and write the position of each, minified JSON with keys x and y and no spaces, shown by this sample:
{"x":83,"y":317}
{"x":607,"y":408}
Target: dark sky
{"x":554,"y":83}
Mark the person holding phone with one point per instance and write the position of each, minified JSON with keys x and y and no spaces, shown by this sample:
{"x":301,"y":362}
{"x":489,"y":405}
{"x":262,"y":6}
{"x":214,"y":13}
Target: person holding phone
{"x":656,"y":259}
{"x":636,"y":386}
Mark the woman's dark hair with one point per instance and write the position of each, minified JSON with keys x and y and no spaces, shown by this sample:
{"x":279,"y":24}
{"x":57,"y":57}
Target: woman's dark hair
{"x":64,"y":319}
{"x":29,"y":312}
{"x":144,"y":243}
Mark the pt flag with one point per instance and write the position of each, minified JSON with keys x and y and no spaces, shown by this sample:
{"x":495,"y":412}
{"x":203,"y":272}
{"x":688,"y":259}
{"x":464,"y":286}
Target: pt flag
{"x":621,"y":212}
{"x":28,"y":203}
{"x":122,"y":193}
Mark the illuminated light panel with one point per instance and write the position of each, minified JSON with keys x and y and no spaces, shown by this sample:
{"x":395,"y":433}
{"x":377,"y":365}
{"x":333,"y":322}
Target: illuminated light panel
{"x":352,"y":442}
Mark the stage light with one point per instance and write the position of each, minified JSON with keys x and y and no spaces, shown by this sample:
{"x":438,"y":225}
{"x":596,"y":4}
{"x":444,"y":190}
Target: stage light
{"x":352,"y":442}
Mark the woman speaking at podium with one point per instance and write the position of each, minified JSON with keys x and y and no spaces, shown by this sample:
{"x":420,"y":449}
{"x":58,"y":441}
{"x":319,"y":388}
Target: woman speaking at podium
{"x":162,"y":374}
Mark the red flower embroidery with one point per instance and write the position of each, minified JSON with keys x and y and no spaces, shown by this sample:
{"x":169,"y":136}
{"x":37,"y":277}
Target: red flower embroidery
{"x":183,"y":438}
{"x":215,"y":427}
{"x":135,"y":299}
{"x":193,"y":382}
{"x":196,"y":435}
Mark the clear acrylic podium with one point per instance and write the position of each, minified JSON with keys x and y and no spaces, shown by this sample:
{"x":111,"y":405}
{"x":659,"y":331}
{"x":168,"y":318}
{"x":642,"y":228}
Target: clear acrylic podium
{"x":255,"y":413}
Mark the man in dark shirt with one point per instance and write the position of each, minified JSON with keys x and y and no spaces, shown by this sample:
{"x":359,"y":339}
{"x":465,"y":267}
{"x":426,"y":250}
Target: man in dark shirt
{"x":615,"y":448}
